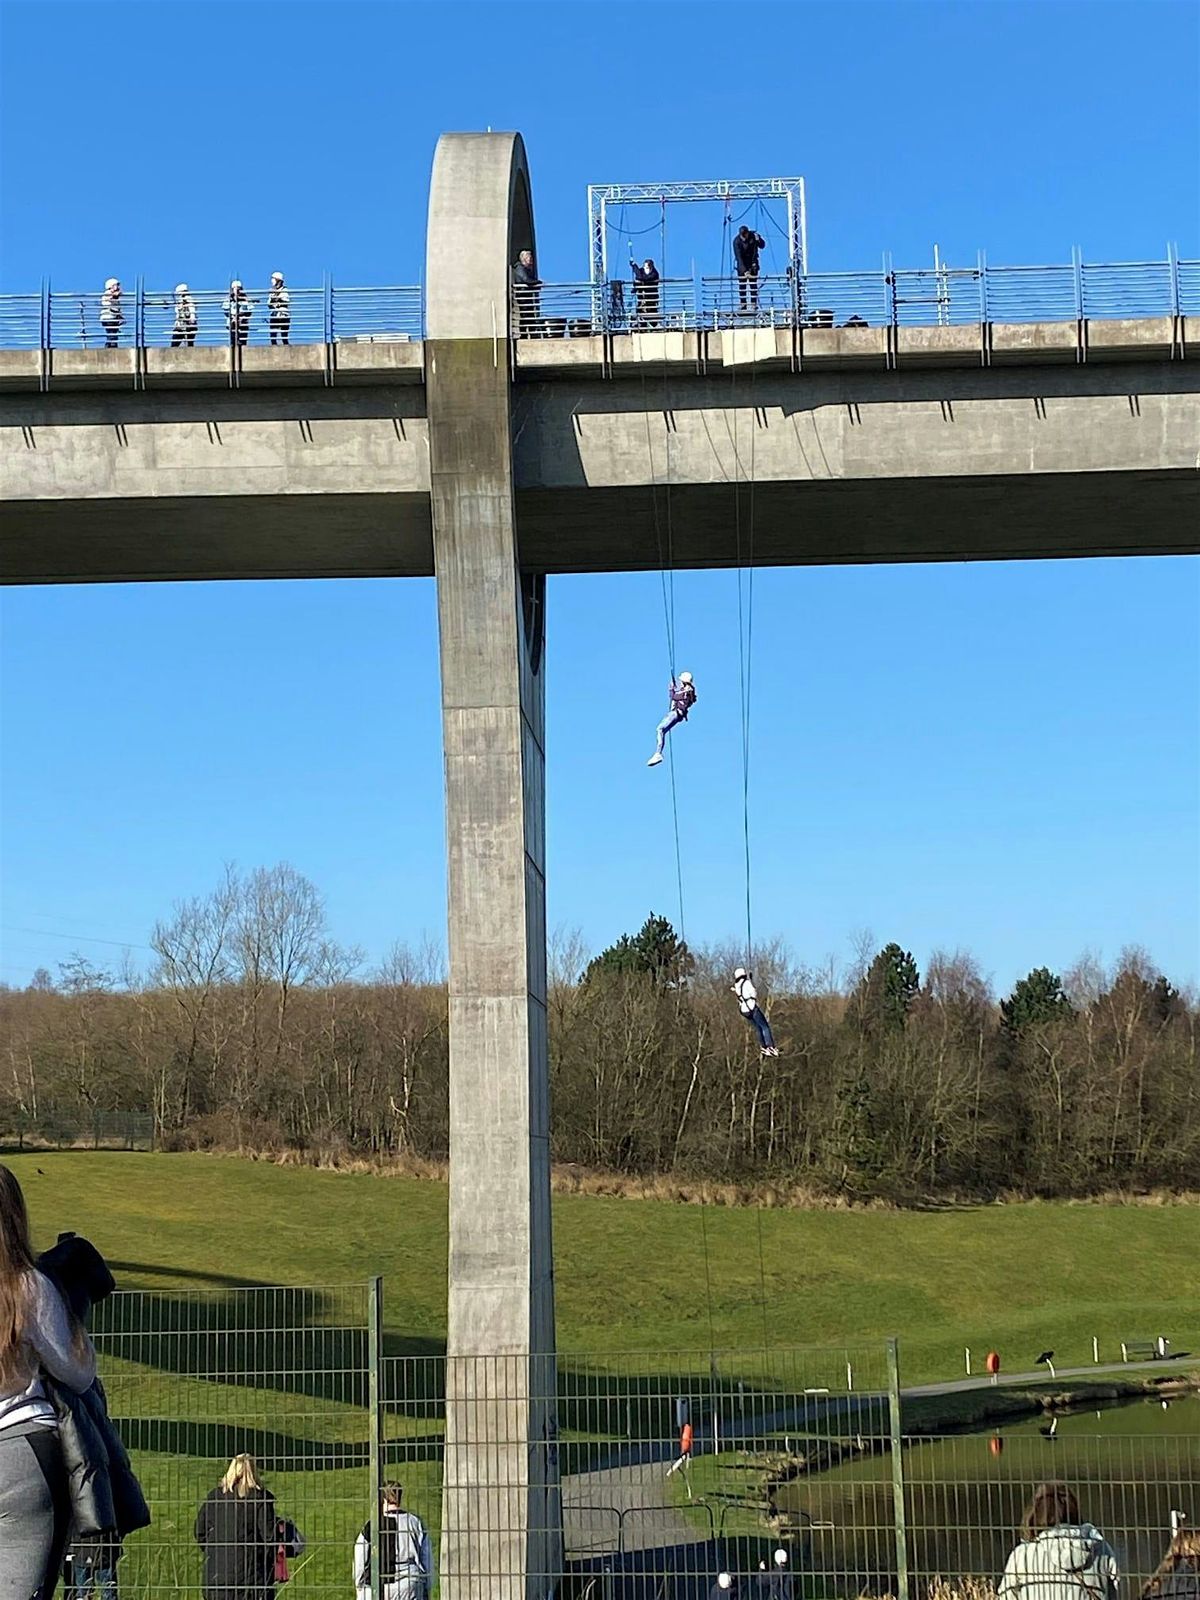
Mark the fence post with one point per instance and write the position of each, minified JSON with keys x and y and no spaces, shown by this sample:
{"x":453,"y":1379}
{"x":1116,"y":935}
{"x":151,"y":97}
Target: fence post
{"x":375,"y":1423}
{"x":897,"y":1452}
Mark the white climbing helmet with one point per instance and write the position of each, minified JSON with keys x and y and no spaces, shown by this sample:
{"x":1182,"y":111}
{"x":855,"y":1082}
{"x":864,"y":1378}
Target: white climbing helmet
{"x":112,"y":283}
{"x":236,"y":284}
{"x":277,"y":277}
{"x":740,"y":972}
{"x":685,"y":677}
{"x":181,"y":288}
{"x":781,"y":1558}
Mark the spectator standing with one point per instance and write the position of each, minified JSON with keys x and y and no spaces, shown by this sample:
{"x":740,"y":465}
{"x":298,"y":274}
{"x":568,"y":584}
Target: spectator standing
{"x":526,"y":287}
{"x":746,"y":245}
{"x":38,"y":1335}
{"x":238,"y":1531}
{"x":647,"y":293}
{"x":112,"y":314}
{"x":1178,"y":1575}
{"x":238,"y":309}
{"x":1059,"y":1556}
{"x":184,"y":330}
{"x":405,"y":1555}
{"x":279,"y":310}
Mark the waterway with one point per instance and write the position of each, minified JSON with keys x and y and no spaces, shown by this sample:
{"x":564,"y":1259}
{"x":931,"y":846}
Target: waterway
{"x":1130,"y":1465}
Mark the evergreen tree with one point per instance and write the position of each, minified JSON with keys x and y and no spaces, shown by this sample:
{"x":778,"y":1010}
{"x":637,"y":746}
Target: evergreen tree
{"x":885,"y":993}
{"x":1040,"y":997}
{"x":655,"y":951}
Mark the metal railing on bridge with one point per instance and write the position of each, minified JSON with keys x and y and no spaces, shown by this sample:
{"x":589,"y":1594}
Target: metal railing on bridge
{"x":158,"y":319}
{"x":1074,"y":291}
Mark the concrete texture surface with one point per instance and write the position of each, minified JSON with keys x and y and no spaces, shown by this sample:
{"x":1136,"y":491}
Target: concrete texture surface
{"x":502,"y":1510}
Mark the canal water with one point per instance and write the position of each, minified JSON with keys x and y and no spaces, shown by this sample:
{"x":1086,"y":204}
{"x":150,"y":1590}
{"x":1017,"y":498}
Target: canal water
{"x":1130,"y":1465}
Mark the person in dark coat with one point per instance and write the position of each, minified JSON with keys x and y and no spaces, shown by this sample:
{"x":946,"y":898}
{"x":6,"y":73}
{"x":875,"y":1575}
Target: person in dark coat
{"x":746,"y":245}
{"x":238,"y":1531}
{"x":526,"y":287}
{"x":646,"y":291}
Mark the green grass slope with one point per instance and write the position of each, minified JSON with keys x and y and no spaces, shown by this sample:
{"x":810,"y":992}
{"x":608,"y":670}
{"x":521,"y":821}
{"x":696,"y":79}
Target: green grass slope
{"x":636,"y":1275}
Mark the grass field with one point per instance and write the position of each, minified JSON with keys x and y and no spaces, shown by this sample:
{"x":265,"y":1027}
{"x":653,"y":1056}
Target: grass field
{"x":632,"y":1275}
{"x":635,"y":1280}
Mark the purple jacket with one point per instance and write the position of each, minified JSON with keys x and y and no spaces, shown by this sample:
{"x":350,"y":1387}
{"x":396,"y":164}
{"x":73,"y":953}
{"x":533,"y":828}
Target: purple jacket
{"x":683,"y":697}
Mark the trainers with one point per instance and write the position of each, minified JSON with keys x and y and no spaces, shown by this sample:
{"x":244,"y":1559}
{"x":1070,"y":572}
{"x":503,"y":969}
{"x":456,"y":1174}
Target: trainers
{"x":654,"y":760}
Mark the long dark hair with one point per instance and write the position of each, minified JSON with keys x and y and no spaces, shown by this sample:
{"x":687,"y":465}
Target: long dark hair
{"x":16,"y":1265}
{"x":1053,"y":1504}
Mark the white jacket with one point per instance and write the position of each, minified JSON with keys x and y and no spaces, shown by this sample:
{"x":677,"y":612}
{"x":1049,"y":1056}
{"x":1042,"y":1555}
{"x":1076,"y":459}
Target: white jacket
{"x":1070,"y":1562}
{"x":747,"y":995}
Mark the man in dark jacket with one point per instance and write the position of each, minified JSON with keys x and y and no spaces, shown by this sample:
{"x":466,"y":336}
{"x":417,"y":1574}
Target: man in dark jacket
{"x":746,"y":246}
{"x":525,"y":287}
{"x":646,"y":291}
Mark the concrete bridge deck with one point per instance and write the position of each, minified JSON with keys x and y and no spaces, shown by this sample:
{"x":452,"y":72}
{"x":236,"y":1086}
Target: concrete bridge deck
{"x":854,"y":444}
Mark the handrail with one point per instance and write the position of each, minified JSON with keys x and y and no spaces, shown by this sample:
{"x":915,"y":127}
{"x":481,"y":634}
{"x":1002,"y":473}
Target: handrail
{"x":151,"y":319}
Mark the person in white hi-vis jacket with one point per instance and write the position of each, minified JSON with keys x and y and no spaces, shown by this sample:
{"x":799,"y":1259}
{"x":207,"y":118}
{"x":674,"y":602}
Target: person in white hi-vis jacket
{"x":406,"y":1558}
{"x":1059,"y":1556}
{"x":747,"y":999}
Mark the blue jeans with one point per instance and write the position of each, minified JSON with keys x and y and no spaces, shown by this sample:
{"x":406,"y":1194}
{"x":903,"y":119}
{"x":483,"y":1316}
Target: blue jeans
{"x":672,"y":720}
{"x":761,"y":1026}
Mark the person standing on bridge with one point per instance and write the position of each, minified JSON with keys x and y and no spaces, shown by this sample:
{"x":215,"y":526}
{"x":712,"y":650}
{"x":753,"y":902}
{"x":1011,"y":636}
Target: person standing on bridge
{"x":526,"y":296}
{"x":683,"y":698}
{"x":279,"y":310}
{"x":238,"y":309}
{"x":747,"y":999}
{"x":112,"y":316}
{"x":746,"y":246}
{"x":647,"y":294}
{"x":184,"y":331}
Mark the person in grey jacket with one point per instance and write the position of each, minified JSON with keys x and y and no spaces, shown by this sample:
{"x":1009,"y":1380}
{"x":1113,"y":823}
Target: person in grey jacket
{"x":111,"y":314}
{"x":1059,"y":1556}
{"x":184,"y":331}
{"x":406,"y":1557}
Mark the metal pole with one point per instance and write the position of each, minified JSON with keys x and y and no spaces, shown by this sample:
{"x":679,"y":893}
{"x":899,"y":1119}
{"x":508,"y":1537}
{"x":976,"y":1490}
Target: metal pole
{"x":375,"y":1425}
{"x":897,"y":1449}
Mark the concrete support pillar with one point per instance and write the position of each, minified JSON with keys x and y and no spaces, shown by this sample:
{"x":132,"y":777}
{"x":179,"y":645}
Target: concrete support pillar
{"x":501,"y":1504}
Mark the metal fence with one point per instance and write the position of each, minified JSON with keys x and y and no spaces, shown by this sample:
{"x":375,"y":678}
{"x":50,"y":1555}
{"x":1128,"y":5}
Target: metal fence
{"x":150,"y":319}
{"x":801,"y":1450}
{"x":61,"y":1130}
{"x":925,"y":297}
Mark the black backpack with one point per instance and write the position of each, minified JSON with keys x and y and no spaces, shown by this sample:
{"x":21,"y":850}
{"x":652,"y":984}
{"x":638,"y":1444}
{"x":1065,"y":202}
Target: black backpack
{"x":387,"y":1549}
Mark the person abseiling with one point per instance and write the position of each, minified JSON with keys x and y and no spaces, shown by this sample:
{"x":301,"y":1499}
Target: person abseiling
{"x":747,"y":998}
{"x":683,"y":698}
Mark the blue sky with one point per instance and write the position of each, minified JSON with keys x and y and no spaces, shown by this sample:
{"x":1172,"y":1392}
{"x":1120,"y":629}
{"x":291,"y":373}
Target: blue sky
{"x":1000,"y":757}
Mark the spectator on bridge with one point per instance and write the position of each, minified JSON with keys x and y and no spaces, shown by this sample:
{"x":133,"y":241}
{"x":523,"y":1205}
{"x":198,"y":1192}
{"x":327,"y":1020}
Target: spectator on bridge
{"x":279,"y":310}
{"x":526,"y":287}
{"x":1178,"y":1576}
{"x":40,"y":1338}
{"x":647,"y":294}
{"x":747,"y":999}
{"x":856,"y":322}
{"x":1059,"y":1557}
{"x":238,"y":309}
{"x":683,"y":698}
{"x":184,"y":331}
{"x":405,"y":1554}
{"x":112,"y":316}
{"x":238,"y":1531}
{"x":746,"y":245}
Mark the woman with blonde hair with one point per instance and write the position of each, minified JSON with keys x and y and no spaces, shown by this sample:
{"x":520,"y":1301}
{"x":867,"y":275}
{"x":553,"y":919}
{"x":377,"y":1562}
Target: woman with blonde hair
{"x":1178,"y":1576}
{"x":38,"y":1335}
{"x":1059,"y":1556}
{"x":236,"y":1529}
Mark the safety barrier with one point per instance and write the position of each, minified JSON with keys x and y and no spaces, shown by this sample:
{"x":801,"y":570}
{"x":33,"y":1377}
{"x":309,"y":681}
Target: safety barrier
{"x":1076,"y":291}
{"x":149,"y":319}
{"x":814,"y":1451}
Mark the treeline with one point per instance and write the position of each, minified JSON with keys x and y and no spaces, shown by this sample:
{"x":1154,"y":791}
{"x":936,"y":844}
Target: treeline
{"x":253,"y":1029}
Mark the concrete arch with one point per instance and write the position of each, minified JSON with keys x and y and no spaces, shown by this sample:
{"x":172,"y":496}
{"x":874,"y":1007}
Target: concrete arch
{"x":501,"y":1504}
{"x":480,"y":218}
